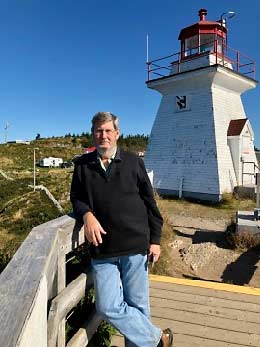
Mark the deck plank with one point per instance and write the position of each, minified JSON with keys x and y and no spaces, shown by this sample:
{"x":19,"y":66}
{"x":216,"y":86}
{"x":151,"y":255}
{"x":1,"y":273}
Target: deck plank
{"x":217,"y":311}
{"x":202,"y":316}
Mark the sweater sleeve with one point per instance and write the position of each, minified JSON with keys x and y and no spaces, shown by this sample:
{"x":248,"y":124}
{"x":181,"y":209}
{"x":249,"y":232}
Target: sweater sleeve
{"x":147,"y":194}
{"x":79,"y":204}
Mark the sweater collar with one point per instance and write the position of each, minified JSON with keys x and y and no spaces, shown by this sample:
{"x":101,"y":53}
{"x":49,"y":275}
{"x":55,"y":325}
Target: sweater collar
{"x":117,"y":157}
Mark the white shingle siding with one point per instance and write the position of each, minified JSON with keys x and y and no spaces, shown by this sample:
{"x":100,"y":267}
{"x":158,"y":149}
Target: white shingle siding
{"x":192,"y":144}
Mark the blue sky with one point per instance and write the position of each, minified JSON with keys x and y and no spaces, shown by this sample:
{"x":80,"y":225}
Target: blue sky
{"x":62,"y":61}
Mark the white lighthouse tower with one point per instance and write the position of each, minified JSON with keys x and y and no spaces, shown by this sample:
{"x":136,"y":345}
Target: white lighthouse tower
{"x":201,"y":143}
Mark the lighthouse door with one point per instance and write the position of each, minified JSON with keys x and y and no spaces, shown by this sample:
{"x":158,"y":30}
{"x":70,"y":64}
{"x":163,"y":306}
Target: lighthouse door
{"x":247,"y":162}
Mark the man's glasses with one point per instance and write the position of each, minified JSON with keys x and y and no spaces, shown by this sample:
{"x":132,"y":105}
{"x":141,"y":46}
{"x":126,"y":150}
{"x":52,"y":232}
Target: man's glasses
{"x":106,"y":131}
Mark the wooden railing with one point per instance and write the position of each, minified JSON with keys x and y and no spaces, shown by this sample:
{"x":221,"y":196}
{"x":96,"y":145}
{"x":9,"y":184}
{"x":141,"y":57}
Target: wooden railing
{"x":34,"y":298}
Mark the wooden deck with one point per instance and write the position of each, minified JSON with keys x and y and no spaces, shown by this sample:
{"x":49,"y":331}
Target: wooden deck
{"x":204,"y":314}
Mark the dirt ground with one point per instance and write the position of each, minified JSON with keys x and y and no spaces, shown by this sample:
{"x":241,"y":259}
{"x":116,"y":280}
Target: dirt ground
{"x":200,"y":251}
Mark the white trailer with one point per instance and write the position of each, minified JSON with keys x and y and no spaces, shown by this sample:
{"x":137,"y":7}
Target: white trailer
{"x":50,"y":162}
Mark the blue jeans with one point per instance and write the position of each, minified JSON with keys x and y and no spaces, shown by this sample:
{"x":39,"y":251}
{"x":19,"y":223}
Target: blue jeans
{"x":122,"y":298}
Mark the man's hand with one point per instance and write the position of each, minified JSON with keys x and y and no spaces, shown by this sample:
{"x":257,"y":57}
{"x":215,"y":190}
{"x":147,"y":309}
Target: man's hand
{"x":92,"y":229}
{"x":155,"y":251}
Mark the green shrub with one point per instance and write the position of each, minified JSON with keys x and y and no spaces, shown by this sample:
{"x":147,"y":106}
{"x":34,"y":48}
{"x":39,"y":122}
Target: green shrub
{"x":244,"y":240}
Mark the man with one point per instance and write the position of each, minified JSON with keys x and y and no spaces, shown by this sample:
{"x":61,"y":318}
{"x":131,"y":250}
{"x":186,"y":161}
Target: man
{"x":112,"y":194}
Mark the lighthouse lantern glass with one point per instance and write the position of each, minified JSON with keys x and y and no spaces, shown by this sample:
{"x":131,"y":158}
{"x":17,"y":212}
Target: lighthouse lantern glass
{"x":191,"y":45}
{"x":203,"y":43}
{"x":206,"y":43}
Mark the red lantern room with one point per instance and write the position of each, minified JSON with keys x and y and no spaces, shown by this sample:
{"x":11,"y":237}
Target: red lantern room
{"x":204,"y":36}
{"x":203,"y":44}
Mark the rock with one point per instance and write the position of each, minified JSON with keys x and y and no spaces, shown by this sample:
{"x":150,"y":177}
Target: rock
{"x":198,"y":255}
{"x":176,"y":244}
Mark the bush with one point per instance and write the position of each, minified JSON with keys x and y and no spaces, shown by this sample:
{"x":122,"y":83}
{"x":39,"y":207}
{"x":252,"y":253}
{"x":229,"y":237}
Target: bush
{"x":103,"y":336}
{"x":244,"y":240}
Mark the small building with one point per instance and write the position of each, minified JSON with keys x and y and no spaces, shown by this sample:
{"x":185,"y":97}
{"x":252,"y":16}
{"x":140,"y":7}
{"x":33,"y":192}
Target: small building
{"x":50,"y":162}
{"x":23,"y":142}
{"x":240,"y":139}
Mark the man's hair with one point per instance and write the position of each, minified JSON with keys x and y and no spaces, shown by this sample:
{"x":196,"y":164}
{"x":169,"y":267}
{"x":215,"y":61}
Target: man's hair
{"x":103,"y":117}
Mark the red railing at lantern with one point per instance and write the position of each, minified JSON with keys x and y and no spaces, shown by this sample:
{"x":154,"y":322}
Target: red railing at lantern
{"x":223,"y":55}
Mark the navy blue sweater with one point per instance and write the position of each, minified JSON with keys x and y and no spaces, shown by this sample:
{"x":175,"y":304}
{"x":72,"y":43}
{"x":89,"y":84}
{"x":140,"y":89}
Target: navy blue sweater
{"x":122,"y":201}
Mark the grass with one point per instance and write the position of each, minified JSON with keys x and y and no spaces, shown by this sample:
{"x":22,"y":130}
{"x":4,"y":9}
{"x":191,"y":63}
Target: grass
{"x":21,"y":209}
{"x":162,"y":266}
{"x":224,"y":209}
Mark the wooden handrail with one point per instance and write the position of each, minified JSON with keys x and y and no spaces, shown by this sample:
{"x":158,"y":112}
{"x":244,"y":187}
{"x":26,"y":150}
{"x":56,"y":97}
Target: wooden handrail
{"x":35,"y":280}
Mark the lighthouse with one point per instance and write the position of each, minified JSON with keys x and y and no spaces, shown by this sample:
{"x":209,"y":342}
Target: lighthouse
{"x":201,"y":142}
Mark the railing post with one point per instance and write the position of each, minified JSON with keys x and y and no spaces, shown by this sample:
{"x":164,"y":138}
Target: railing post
{"x":215,"y":45}
{"x":222,"y":50}
{"x":148,"y":70}
{"x":242,"y":180}
{"x":257,"y":189}
{"x":61,"y":284}
{"x":238,"y":63}
{"x":223,"y":53}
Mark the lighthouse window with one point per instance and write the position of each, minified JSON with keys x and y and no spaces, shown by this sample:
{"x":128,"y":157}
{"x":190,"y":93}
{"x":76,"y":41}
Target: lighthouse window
{"x":182,"y":103}
{"x":207,"y":43}
{"x":191,"y":45}
{"x":220,"y":44}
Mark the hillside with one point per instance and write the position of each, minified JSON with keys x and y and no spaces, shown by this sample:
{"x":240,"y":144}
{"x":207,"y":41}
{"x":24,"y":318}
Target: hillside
{"x":194,"y":243}
{"x":21,"y":208}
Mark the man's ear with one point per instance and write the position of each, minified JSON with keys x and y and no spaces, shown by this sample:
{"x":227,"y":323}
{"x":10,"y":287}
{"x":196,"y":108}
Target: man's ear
{"x":118,"y":134}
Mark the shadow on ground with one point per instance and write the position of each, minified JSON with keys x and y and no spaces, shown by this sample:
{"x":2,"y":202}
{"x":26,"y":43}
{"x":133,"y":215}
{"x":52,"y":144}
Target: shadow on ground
{"x":242,"y":270}
{"x":203,"y":236}
{"x":238,"y":272}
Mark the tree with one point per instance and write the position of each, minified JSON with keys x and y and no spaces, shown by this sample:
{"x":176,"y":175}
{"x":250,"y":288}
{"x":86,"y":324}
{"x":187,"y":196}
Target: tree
{"x":38,"y":136}
{"x":74,"y":140}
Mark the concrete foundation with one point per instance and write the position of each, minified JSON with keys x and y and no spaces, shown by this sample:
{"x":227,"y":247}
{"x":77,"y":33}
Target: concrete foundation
{"x":190,"y":195}
{"x":245,"y":192}
{"x":245,"y":222}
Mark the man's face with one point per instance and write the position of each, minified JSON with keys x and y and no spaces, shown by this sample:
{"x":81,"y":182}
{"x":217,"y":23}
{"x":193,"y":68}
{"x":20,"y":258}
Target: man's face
{"x":105,"y":136}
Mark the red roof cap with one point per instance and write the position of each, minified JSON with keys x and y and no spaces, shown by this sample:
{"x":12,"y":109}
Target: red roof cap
{"x":202,"y":13}
{"x":204,"y":26}
{"x":236,"y":126}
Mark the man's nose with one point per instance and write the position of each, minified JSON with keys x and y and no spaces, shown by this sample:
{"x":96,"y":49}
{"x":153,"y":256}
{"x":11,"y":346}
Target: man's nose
{"x":103,"y":134}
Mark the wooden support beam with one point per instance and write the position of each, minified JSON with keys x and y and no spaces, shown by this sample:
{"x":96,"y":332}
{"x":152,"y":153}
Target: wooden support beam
{"x":85,"y":333}
{"x":64,"y":302}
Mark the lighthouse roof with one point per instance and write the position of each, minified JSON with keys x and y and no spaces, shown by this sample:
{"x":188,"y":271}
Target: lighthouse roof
{"x":236,"y":126}
{"x":203,"y":26}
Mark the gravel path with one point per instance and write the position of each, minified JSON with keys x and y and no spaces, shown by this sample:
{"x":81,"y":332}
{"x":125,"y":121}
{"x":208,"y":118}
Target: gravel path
{"x":200,"y":251}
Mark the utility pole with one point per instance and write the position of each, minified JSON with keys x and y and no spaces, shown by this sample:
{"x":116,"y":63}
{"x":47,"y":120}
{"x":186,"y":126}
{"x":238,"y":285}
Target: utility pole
{"x":34,"y":169}
{"x":6,"y":128}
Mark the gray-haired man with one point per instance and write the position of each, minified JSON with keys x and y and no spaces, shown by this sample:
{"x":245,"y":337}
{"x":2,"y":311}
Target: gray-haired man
{"x":112,"y":194}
